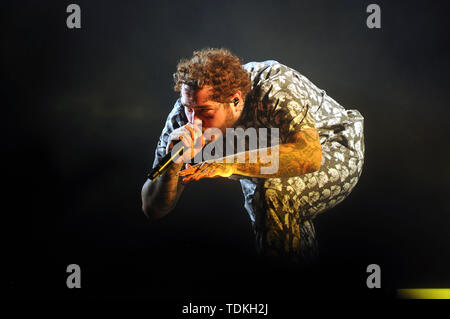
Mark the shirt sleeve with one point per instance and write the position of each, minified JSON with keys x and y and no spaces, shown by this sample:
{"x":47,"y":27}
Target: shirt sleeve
{"x":175,"y":119}
{"x":286,"y":101}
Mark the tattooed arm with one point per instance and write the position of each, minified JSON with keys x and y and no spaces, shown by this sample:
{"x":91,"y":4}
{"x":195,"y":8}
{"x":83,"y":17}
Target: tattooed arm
{"x":300,"y":155}
{"x":160,"y":197}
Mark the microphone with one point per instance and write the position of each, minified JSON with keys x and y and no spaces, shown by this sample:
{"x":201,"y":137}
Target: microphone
{"x":163,"y":165}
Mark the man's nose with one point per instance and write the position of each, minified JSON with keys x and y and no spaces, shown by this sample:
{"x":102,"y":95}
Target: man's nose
{"x":194,"y":118}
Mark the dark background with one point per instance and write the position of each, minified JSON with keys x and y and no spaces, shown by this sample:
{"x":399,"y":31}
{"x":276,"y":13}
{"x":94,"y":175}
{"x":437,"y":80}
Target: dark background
{"x":82,"y":111}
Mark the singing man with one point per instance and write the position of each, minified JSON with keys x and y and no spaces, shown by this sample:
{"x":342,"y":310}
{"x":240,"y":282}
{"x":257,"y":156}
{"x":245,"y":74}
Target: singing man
{"x":320,"y":153}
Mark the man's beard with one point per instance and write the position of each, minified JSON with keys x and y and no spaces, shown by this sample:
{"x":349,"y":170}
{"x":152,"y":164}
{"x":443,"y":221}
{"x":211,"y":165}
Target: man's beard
{"x":230,"y":120}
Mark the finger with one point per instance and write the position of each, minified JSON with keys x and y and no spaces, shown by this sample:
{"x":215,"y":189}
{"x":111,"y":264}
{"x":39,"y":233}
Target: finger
{"x":206,"y":171}
{"x":196,"y":134}
{"x":173,"y":139}
{"x":195,"y":173}
{"x":186,"y":167}
{"x":177,"y":139}
{"x":175,"y":135}
{"x":188,"y":171}
{"x":177,"y":152}
{"x":199,"y":175}
{"x":188,"y":136}
{"x":211,"y":172}
{"x":191,"y":131}
{"x":188,"y":152}
{"x":192,"y":170}
{"x":188,"y":178}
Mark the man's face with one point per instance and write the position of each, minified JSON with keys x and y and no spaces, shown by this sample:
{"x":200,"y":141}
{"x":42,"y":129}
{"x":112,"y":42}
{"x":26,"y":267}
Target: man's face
{"x":197,"y":105}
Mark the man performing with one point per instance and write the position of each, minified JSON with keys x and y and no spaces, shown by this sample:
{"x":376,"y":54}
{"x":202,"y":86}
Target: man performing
{"x":320,"y":151}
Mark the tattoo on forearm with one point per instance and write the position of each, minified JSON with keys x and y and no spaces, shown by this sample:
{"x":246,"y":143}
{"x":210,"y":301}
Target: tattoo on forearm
{"x":168,"y":189}
{"x":295,"y":158}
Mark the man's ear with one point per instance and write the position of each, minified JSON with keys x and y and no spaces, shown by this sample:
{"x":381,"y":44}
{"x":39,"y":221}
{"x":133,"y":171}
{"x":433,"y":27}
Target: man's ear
{"x":240,"y":105}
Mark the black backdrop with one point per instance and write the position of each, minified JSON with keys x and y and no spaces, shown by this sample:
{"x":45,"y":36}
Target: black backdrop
{"x":83,"y":109}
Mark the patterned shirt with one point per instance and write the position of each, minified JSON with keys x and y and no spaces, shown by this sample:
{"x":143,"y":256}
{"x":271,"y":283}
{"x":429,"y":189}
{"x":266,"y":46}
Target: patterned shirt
{"x":282,"y":98}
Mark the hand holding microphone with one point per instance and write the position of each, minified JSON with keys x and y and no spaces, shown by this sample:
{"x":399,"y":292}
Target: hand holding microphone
{"x":190,"y":135}
{"x":188,"y":142}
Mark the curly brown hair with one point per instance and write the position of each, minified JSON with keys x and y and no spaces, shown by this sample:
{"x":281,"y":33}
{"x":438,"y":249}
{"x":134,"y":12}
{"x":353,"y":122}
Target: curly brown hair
{"x":218,"y":68}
